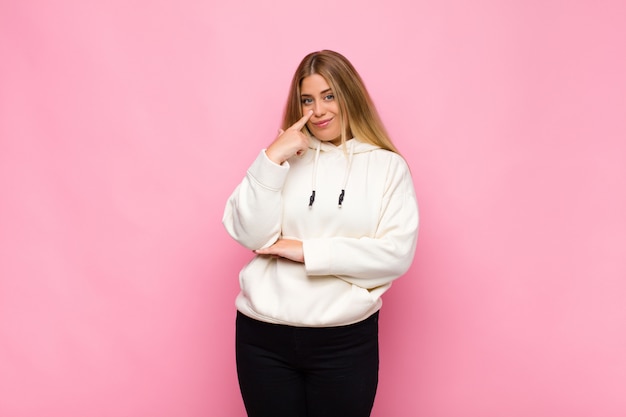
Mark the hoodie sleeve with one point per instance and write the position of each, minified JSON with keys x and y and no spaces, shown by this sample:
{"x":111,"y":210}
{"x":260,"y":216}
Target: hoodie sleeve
{"x":254,"y":210}
{"x":370,"y":262}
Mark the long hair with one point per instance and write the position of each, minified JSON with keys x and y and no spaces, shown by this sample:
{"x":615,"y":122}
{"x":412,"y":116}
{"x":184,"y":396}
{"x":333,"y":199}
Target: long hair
{"x":359,"y":115}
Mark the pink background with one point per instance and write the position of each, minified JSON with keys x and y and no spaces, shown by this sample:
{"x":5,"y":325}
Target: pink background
{"x":125,"y":125}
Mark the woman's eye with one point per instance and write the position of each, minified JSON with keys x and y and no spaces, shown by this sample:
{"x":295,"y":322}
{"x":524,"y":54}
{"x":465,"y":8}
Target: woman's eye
{"x":307,"y":101}
{"x":329,"y":97}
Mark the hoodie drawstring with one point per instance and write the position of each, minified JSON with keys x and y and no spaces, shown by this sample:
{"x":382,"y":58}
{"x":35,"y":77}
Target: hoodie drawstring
{"x":317,"y":157}
{"x":347,"y":174}
{"x":345,"y":178}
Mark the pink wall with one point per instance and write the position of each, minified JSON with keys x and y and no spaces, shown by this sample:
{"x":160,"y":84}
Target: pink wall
{"x":124,"y":125}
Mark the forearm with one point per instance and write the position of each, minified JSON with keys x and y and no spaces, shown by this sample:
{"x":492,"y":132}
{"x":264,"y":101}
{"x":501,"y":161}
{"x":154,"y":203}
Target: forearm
{"x":253,"y":212}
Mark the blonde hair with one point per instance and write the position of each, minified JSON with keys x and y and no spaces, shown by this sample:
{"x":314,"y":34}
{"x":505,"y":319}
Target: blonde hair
{"x":359,"y":115}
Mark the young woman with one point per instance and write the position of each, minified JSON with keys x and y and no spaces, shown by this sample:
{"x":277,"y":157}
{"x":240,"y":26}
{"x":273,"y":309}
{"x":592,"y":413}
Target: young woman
{"x":329,"y":209}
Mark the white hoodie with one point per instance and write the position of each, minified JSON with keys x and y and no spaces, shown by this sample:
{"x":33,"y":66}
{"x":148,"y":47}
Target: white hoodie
{"x":352,"y":251}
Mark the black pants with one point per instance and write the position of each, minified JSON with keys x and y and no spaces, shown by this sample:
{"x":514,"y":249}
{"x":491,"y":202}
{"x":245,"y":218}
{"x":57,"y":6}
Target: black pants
{"x":287,"y":371}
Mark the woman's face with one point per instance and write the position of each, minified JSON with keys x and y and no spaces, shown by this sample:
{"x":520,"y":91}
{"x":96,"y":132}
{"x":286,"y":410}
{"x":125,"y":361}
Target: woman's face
{"x":316,"y":95}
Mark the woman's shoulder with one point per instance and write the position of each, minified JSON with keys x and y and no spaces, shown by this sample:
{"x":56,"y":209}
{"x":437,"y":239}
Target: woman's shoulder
{"x":392,"y":158}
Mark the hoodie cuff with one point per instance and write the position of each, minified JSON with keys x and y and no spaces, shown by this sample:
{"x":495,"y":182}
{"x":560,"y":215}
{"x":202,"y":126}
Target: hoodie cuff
{"x":317,"y":256}
{"x":267,"y":173}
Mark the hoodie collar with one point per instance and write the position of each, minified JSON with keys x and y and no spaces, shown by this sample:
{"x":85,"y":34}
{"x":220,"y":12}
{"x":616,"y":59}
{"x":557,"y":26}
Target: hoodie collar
{"x":358,"y":146}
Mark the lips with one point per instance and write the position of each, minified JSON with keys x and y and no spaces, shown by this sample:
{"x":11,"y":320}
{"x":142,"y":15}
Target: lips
{"x":322,"y":123}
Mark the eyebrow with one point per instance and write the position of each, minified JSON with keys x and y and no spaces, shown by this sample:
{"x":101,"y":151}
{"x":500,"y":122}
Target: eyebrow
{"x":322,"y":93}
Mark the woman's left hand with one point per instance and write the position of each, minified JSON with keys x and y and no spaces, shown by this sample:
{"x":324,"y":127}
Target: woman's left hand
{"x":285,"y":248}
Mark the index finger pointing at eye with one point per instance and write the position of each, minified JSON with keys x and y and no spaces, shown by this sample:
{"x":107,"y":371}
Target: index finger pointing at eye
{"x":300,"y":123}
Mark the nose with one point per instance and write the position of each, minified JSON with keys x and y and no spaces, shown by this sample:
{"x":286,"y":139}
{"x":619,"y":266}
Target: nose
{"x":319,"y":108}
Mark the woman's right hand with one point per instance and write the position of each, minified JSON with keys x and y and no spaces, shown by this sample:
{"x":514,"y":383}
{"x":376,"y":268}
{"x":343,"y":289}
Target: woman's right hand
{"x":289,"y":142}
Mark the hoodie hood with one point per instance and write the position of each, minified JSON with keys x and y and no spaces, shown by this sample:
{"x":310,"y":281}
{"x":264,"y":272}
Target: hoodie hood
{"x":351,"y":147}
{"x":356,"y":145}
